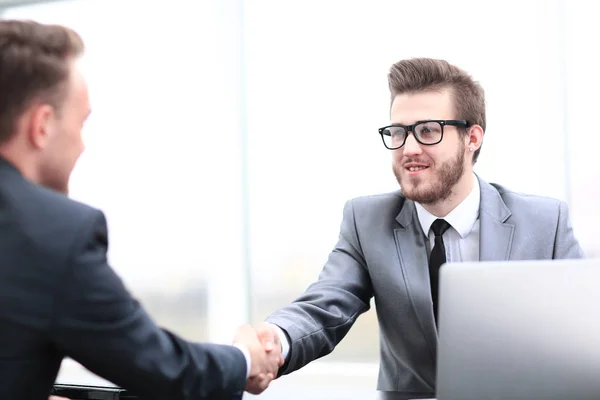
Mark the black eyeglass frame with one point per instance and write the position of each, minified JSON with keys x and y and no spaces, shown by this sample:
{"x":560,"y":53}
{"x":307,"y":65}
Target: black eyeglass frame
{"x":410,"y":129}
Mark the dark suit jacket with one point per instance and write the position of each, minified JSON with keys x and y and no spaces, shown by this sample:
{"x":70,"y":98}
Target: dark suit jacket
{"x":60,"y":298}
{"x":382,"y":253}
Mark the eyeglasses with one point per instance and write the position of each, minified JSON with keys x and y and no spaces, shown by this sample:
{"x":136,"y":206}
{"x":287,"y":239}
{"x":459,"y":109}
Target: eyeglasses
{"x":428,"y":132}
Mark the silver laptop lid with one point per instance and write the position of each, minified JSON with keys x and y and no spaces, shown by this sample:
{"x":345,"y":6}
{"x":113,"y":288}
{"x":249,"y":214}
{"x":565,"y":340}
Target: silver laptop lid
{"x":519,"y":330}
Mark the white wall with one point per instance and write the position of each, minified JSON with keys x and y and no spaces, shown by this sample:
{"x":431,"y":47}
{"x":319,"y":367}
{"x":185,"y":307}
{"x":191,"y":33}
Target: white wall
{"x":582,"y":91}
{"x":317,"y":92}
{"x":163,"y":148}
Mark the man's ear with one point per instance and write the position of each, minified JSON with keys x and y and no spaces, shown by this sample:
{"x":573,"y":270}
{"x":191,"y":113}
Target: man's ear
{"x":40,"y":122}
{"x":474,"y":138}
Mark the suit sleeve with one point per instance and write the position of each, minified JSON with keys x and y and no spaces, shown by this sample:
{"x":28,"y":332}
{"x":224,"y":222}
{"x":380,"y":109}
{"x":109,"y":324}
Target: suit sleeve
{"x":97,"y":323}
{"x":320,"y":318}
{"x":566,"y":245}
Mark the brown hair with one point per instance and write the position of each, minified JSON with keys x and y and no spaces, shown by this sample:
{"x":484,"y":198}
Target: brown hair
{"x":34,"y":67}
{"x":425,"y":74}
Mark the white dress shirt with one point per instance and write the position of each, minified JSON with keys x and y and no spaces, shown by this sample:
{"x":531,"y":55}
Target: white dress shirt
{"x":247,"y":356}
{"x":461,"y":239}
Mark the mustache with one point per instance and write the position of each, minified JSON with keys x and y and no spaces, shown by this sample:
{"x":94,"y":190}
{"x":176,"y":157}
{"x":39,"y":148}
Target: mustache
{"x":415,"y":161}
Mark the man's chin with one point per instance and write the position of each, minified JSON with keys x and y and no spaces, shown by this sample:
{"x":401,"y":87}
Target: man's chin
{"x":419,"y":194}
{"x":64,"y":191}
{"x":411,"y":183}
{"x":60,"y":188}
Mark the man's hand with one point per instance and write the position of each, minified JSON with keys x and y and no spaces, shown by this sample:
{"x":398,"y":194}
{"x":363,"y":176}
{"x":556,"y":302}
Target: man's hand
{"x":265,"y":352}
{"x":268,"y":337}
{"x":57,"y":398}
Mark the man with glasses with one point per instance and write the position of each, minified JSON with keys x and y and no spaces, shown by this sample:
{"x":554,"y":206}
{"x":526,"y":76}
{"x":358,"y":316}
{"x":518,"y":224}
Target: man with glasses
{"x":391,"y":246}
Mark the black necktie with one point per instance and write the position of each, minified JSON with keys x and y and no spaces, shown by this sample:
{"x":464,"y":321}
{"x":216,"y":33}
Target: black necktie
{"x":436,"y":259}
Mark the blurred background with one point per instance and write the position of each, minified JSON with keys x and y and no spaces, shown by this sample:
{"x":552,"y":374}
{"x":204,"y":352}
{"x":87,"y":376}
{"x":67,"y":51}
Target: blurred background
{"x":227,"y":134}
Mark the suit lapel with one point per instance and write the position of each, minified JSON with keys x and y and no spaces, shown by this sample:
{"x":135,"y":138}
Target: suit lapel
{"x":495,"y":236}
{"x":412,"y":252}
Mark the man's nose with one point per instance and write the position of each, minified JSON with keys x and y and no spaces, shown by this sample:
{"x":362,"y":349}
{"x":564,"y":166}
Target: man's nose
{"x":411,"y":146}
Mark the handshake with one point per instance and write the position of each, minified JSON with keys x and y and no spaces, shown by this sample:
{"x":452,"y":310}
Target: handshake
{"x":264,"y":346}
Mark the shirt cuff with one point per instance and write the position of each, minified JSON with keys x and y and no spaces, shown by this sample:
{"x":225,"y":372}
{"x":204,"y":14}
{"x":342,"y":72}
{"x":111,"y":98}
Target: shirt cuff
{"x":247,"y":356}
{"x":285,"y":345}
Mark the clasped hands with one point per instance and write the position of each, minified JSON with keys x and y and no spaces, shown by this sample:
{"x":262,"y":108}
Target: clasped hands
{"x":264,"y":346}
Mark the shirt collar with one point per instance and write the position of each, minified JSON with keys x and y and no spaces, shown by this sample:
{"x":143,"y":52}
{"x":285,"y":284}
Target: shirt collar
{"x":462,"y":218}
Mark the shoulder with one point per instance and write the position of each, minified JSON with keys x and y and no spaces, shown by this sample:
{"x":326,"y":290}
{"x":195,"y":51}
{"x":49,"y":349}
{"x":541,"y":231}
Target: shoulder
{"x":522,"y":207}
{"x":48,"y":220}
{"x":376,"y":206}
{"x":516,"y":201}
{"x":382,"y":199}
{"x":51,"y":206}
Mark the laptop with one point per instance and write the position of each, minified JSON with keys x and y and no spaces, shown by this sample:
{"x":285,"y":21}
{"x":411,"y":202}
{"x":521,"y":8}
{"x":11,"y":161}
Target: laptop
{"x":85,"y":392}
{"x":88,"y":392}
{"x":519,"y":330}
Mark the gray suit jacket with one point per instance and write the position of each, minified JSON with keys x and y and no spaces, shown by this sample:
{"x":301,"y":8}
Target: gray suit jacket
{"x":381,"y":252}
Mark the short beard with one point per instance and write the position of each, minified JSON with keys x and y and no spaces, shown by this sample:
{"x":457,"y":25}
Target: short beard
{"x":447,"y":175}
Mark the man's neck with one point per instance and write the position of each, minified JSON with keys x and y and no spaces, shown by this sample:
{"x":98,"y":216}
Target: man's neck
{"x":459,"y":193}
{"x":20,"y":162}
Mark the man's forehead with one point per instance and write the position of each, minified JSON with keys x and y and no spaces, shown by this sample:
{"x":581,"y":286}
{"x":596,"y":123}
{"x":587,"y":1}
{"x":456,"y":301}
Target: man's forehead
{"x":79,"y":87}
{"x":411,"y":107}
